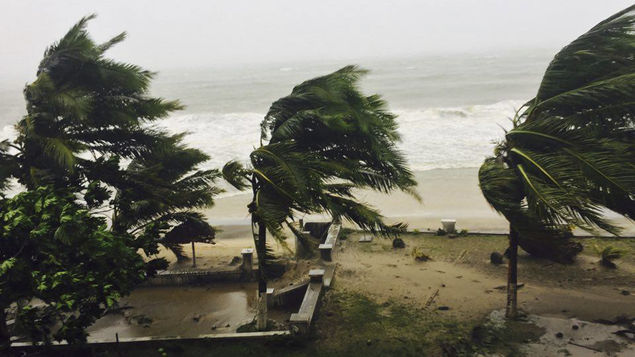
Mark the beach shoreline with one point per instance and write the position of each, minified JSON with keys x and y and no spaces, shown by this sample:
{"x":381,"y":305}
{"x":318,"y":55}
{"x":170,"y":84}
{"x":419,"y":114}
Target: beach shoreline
{"x":446,"y":193}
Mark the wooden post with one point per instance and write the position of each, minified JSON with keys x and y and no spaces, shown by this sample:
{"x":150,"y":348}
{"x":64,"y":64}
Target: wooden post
{"x":193,"y":256}
{"x":511,"y":310}
{"x":118,"y":348}
{"x":248,"y":260}
{"x":261,"y":317}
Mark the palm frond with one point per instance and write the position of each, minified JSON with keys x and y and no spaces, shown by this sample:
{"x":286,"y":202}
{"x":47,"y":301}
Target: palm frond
{"x":571,"y":148}
{"x":236,"y":175}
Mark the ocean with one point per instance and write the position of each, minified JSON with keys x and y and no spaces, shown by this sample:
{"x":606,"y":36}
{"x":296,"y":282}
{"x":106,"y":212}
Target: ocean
{"x":451,"y":111}
{"x":451,"y":108}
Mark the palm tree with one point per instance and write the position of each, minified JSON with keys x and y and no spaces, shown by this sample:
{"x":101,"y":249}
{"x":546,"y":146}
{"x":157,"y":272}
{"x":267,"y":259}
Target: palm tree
{"x":89,"y":126}
{"x":318,"y":144}
{"x":571,"y":152}
{"x":172,"y":187}
{"x":84,"y":107}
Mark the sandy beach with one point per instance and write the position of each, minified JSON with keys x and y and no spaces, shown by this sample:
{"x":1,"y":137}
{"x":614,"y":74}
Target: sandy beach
{"x":446,"y":193}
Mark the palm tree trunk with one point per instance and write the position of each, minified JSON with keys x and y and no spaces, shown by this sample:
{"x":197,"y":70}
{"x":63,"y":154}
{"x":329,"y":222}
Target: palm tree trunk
{"x":5,"y":337}
{"x":261,"y":247}
{"x":511,"y":310}
{"x":193,"y":255}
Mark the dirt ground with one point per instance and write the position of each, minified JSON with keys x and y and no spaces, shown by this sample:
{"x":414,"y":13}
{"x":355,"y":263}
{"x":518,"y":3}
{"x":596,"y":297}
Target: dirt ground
{"x":385,"y":303}
{"x":461,"y":277}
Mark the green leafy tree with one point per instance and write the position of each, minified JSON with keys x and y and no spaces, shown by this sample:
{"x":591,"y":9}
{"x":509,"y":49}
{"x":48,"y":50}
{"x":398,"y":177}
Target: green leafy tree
{"x":318,"y":144}
{"x":89,"y":125}
{"x":60,"y":266}
{"x":168,"y":170}
{"x":571,"y":151}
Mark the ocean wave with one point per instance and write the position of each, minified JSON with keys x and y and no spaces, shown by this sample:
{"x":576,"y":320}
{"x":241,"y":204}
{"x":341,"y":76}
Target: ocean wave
{"x":444,"y":137}
{"x":7,"y":132}
{"x":453,"y":137}
{"x":439,"y":137}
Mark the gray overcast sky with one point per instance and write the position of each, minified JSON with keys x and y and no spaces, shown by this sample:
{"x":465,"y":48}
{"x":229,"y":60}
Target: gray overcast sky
{"x":166,"y":34}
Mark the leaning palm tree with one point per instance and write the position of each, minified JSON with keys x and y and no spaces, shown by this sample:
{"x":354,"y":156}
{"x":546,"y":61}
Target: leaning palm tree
{"x":89,"y":127}
{"x":318,"y":144}
{"x":570,"y":154}
{"x":82,"y":109}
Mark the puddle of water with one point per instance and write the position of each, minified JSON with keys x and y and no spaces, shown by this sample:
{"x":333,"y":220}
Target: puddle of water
{"x":174,"y":311}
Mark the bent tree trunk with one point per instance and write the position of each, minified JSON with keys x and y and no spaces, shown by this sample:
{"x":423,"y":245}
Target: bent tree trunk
{"x":511,"y":310}
{"x":261,"y":247}
{"x":5,"y":337}
{"x":193,"y":255}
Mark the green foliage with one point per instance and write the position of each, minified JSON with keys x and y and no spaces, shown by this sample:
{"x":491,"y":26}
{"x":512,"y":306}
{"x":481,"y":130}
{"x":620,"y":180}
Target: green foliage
{"x":89,"y":126}
{"x":171,"y":188}
{"x":318,"y":144}
{"x":609,"y":254}
{"x":82,"y":102}
{"x":419,"y":254}
{"x":61,"y":265}
{"x":7,"y":164}
{"x":570,"y":153}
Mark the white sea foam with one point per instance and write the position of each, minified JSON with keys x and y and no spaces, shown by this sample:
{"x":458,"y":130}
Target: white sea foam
{"x":448,"y":137}
{"x":432,"y":138}
{"x":453,"y":137}
{"x":7,"y":132}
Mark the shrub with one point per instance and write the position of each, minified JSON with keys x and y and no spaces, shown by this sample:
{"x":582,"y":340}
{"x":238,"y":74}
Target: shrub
{"x":609,"y":254}
{"x":419,"y":255}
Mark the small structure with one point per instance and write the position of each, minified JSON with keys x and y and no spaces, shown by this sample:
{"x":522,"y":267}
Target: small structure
{"x":326,"y":248}
{"x":449,"y":225}
{"x":302,"y":251}
{"x":248,"y":260}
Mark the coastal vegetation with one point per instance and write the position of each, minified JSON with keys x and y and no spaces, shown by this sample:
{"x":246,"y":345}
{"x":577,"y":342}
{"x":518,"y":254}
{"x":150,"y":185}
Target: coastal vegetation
{"x":318,"y":144}
{"x":87,"y":151}
{"x":61,"y":266}
{"x":570,"y":152}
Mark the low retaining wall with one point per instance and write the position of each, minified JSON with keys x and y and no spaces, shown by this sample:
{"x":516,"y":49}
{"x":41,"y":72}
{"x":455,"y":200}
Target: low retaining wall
{"x":326,"y":248}
{"x":290,"y":293}
{"x":320,"y":279}
{"x":220,"y":337}
{"x":241,"y":273}
{"x":301,"y":321}
{"x":176,"y":278}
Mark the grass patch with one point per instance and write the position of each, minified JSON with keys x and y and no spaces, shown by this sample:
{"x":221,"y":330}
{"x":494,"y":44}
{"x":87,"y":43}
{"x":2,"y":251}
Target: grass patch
{"x":505,"y":339}
{"x":352,"y":324}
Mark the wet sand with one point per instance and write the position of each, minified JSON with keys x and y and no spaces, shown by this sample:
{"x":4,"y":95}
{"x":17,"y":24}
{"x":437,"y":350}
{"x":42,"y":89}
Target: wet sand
{"x":446,"y":193}
{"x":461,"y":277}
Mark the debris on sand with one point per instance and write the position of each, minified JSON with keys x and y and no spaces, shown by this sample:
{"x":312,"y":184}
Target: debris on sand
{"x":398,"y":243}
{"x":496,"y":258}
{"x":419,"y":255}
